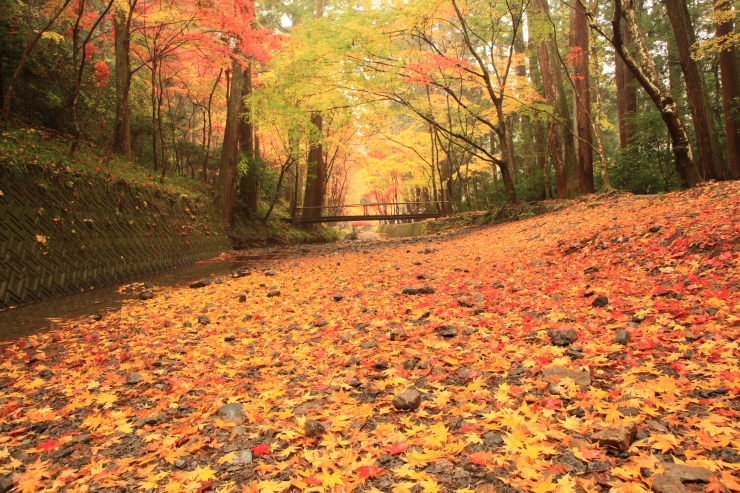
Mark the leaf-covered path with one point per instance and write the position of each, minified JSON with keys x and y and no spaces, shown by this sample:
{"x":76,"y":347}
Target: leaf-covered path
{"x":582,"y":350}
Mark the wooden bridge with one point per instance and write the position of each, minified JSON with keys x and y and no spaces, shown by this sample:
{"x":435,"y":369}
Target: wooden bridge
{"x":382,"y":211}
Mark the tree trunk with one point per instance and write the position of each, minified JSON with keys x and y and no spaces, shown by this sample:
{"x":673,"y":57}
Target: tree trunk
{"x":122,"y":127}
{"x":730,"y":87}
{"x":313,"y":198}
{"x":563,"y":152}
{"x":226,"y":190}
{"x":626,"y":95}
{"x":707,"y":141}
{"x":605,"y":184}
{"x":540,"y":141}
{"x":248,"y":183}
{"x":579,"y":50}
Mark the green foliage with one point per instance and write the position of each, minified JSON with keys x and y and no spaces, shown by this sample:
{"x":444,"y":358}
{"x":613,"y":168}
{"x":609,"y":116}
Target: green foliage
{"x":646,"y":165}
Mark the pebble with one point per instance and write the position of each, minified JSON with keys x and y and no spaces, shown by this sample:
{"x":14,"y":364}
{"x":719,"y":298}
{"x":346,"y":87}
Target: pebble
{"x":146,"y":295}
{"x":133,"y":378}
{"x":200,"y":284}
{"x":687,"y":473}
{"x":380,"y":365}
{"x":273,"y":293}
{"x":243,"y":457}
{"x":447,"y":331}
{"x":562,"y":337}
{"x":409,"y":399}
{"x":338,"y":297}
{"x":581,"y":378}
{"x":620,"y":437}
{"x":600,"y":301}
{"x":623,"y":337}
{"x":313,"y":428}
{"x":662,"y":483}
{"x":180,"y":464}
{"x":232,"y":411}
{"x":203,"y":320}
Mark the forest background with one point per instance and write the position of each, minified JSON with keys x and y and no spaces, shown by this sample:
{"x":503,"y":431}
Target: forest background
{"x":306,"y":103}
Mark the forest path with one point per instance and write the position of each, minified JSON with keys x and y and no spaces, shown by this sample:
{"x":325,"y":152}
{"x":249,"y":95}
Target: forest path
{"x":577,"y":350}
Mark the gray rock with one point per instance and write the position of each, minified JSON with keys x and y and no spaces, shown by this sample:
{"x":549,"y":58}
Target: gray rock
{"x":409,"y":291}
{"x":133,"y":378}
{"x":353,"y":382}
{"x":426,"y":290}
{"x":146,"y":295}
{"x":600,"y":301}
{"x":690,"y":336}
{"x":231,"y":411}
{"x":180,"y":464}
{"x":313,"y":428}
{"x":338,"y":297}
{"x":620,"y":437}
{"x":623,"y":337}
{"x":493,"y":439}
{"x":243,"y":457}
{"x":581,"y":378}
{"x":687,"y":473}
{"x":203,"y":320}
{"x":563,"y":337}
{"x":273,"y":293}
{"x":369,"y":345}
{"x":409,"y":399}
{"x":242,"y":298}
{"x":200,"y":284}
{"x":656,"y":426}
{"x":447,"y":331}
{"x":663,"y":483}
{"x":380,"y":365}
{"x":571,"y":462}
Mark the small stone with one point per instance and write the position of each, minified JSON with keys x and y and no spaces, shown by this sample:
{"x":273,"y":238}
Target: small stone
{"x":313,"y":428}
{"x":242,"y":298}
{"x":273,"y":293}
{"x":353,"y":382}
{"x":589,"y":270}
{"x":498,"y":285}
{"x":690,"y":336}
{"x":470,"y":331}
{"x":572,"y":353}
{"x":369,"y":345}
{"x":581,"y":378}
{"x":133,"y":378}
{"x":146,"y":295}
{"x":338,"y":297}
{"x":97,"y":317}
{"x":447,"y":331}
{"x":409,"y":399}
{"x":619,"y":438}
{"x":180,"y":464}
{"x":662,"y":483}
{"x":426,"y":290}
{"x":656,"y":426}
{"x":486,"y":488}
{"x":270,"y":273}
{"x":203,"y":320}
{"x":200,"y":284}
{"x":229,"y":338}
{"x":623,"y":337}
{"x":600,"y":301}
{"x":231,"y":411}
{"x":654,"y":228}
{"x":687,"y":473}
{"x":398,"y":335}
{"x":380,"y":365}
{"x":409,"y":291}
{"x":493,"y":439}
{"x":554,"y":389}
{"x":243,"y":457}
{"x":352,"y":362}
{"x":563,"y":337}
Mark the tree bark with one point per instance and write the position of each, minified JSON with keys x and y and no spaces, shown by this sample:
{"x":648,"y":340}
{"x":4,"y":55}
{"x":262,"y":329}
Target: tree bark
{"x":249,"y":183}
{"x":579,"y":51}
{"x":707,"y":141}
{"x":122,"y":127}
{"x":730,"y":87}
{"x":563,"y":151}
{"x":643,"y":68}
{"x":226,"y":190}
{"x":626,"y":95}
{"x":313,"y":197}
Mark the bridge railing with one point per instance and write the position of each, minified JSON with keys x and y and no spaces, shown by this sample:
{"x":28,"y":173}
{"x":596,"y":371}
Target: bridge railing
{"x":436,"y":207}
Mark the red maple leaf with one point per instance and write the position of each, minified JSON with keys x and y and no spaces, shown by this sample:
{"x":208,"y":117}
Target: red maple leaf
{"x":50,"y":444}
{"x":313,"y":481}
{"x":398,"y":448}
{"x":368,"y":471}
{"x":260,"y":449}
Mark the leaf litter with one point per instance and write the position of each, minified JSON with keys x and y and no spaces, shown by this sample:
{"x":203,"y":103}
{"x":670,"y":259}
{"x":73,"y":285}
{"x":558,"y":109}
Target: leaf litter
{"x":590,"y":349}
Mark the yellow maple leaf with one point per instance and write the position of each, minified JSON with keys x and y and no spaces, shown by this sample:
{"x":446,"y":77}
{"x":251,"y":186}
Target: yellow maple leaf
{"x":271,"y":486}
{"x":202,"y":474}
{"x":544,"y":486}
{"x":227,"y":459}
{"x":106,"y":398}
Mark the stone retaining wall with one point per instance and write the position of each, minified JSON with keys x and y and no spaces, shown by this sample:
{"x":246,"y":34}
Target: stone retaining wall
{"x":63,"y":232}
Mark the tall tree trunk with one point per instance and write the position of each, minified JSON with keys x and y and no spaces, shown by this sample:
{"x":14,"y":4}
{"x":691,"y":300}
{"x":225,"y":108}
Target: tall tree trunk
{"x":204,"y":174}
{"x":730,"y":86}
{"x":313,"y":199}
{"x":579,"y":50}
{"x":122,"y":126}
{"x":643,"y":68}
{"x":605,"y":184}
{"x":248,"y":183}
{"x":520,"y":69}
{"x":540,"y":141}
{"x":626,"y":95}
{"x":707,"y":141}
{"x":563,"y":152}
{"x":226,"y":190}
